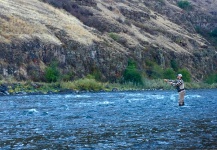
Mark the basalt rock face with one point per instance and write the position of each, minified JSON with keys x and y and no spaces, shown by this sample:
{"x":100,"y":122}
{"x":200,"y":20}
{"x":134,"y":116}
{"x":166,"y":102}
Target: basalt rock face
{"x":88,"y":35}
{"x":28,"y":59}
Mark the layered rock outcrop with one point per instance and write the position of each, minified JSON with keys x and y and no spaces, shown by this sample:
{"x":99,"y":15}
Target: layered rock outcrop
{"x":83,"y":36}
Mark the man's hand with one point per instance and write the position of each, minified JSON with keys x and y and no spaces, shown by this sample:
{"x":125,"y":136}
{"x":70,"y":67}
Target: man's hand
{"x":165,"y":80}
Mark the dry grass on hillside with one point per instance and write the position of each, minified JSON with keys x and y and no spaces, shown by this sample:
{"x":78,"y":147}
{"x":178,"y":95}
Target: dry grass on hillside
{"x":32,"y":17}
{"x":14,"y":26}
{"x":155,"y":31}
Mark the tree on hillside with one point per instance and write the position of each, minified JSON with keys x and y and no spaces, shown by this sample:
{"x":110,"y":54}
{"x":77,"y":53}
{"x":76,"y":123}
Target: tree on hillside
{"x":132,"y":74}
{"x":185,"y":75}
{"x":184,"y":4}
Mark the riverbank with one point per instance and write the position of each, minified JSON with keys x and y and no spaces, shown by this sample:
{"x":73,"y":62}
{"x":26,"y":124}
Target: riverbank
{"x":88,"y":85}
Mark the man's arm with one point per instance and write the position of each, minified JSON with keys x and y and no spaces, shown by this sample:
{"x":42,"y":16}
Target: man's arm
{"x":169,"y":81}
{"x":177,"y":83}
{"x":173,"y":82}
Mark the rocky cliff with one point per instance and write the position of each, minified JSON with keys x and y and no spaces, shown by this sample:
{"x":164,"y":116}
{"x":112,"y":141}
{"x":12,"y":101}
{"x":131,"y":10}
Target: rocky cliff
{"x":84,"y":36}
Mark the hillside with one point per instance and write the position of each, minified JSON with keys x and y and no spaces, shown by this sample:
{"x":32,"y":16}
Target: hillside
{"x":87,"y":36}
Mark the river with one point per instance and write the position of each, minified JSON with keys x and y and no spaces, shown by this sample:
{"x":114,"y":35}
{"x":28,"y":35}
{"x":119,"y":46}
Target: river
{"x":109,"y":120}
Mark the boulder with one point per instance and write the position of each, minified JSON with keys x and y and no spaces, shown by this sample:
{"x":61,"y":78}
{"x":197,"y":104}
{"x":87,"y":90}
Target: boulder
{"x":3,"y":90}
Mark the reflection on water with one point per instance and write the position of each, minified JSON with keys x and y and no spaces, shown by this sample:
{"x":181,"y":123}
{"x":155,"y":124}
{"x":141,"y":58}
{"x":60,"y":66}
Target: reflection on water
{"x":119,"y":120}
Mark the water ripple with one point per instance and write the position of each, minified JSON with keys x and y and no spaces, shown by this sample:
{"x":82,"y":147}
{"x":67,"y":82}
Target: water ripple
{"x":116,"y":120}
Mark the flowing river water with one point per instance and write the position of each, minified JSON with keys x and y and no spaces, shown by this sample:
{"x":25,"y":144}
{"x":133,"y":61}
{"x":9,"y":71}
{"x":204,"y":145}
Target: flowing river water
{"x":109,"y":120}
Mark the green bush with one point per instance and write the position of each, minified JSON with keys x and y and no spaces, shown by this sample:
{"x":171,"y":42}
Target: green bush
{"x":114,"y":36}
{"x":185,"y":75}
{"x":83,"y":84}
{"x":96,"y":74}
{"x":214,"y":33}
{"x":131,"y":74}
{"x":211,"y":36}
{"x":169,"y":73}
{"x":150,"y":63}
{"x":88,"y":84}
{"x":174,"y":64}
{"x":161,"y":1}
{"x":52,"y":73}
{"x":67,"y":77}
{"x":157,"y":72}
{"x":184,"y":4}
{"x":153,"y":70}
{"x":199,"y":30}
{"x":211,"y":79}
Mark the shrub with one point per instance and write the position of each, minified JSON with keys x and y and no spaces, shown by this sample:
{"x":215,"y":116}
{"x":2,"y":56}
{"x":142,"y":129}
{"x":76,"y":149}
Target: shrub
{"x":150,"y":63}
{"x":214,"y":33}
{"x":211,"y":79}
{"x":154,"y":71}
{"x":169,"y":73}
{"x":96,"y":74}
{"x":52,"y":73}
{"x":131,"y":74}
{"x":184,"y":4}
{"x":161,"y":1}
{"x":35,"y":75}
{"x":83,"y":84}
{"x":67,"y":77}
{"x":174,"y":65}
{"x":114,"y":36}
{"x":199,"y":30}
{"x":210,"y":36}
{"x":185,"y":75}
{"x":157,"y":72}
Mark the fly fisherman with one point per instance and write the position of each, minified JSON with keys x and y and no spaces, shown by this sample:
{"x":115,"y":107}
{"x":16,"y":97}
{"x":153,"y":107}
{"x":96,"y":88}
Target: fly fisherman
{"x":179,"y":84}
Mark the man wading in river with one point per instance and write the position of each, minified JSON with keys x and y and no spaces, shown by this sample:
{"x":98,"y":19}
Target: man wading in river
{"x":179,"y":84}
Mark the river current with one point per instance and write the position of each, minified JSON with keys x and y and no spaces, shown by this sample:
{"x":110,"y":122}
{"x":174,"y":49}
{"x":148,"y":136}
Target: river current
{"x":109,"y":120}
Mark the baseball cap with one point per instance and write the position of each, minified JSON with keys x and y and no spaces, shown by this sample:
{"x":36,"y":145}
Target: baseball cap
{"x":180,"y":75}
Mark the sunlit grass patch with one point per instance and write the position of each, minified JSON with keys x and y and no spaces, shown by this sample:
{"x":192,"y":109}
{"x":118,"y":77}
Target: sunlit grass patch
{"x":34,"y":18}
{"x":15,"y":26}
{"x":83,"y":84}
